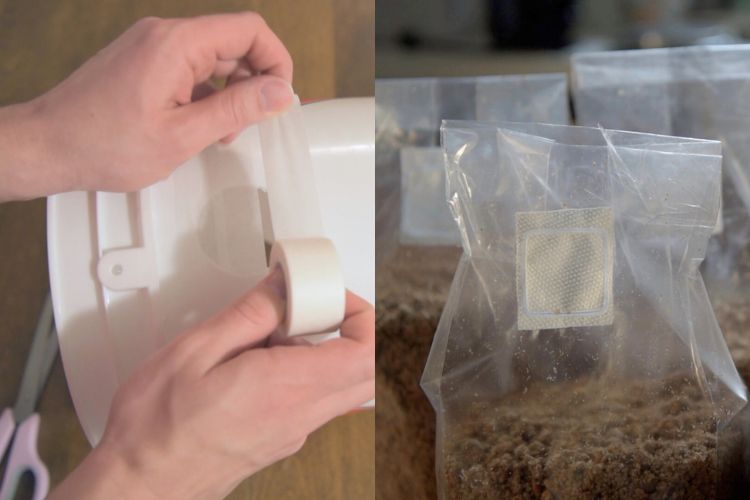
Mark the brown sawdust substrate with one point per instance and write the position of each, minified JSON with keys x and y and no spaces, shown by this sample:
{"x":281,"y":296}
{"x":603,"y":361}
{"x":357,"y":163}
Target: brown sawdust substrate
{"x":622,"y":457}
{"x":411,"y":292}
{"x":619,"y":439}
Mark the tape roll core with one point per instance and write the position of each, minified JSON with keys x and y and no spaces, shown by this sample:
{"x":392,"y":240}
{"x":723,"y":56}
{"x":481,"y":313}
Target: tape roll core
{"x":315,"y":292}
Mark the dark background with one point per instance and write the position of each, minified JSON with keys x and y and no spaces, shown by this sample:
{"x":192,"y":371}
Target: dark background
{"x":473,"y":37}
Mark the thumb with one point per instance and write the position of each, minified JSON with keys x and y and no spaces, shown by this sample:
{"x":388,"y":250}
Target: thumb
{"x":233,"y":108}
{"x":245,"y":324}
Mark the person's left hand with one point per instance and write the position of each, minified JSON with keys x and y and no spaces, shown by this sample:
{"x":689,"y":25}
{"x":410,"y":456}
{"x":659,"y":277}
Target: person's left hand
{"x":143,"y":105}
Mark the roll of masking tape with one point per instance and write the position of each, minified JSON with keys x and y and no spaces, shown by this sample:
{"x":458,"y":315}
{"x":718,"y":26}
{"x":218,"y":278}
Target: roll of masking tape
{"x":315,"y":292}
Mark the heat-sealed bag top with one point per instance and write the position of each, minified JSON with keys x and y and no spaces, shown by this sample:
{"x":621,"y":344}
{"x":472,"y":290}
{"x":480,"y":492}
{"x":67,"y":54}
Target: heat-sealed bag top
{"x":578,"y":355}
{"x":693,"y":92}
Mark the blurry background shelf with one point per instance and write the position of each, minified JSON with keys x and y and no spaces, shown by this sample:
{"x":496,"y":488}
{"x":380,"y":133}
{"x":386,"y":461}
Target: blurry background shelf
{"x":473,"y":37}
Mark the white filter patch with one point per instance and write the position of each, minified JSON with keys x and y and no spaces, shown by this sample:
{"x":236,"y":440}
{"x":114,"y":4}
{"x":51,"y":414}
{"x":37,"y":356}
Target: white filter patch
{"x":564,"y":268}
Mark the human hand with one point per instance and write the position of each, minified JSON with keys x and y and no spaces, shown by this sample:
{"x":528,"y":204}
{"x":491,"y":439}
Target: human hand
{"x":143,"y":105}
{"x":214,"y":406}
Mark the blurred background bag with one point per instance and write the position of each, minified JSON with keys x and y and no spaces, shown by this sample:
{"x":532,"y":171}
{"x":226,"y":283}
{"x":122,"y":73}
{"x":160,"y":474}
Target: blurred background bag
{"x":691,"y":92}
{"x":409,"y":112}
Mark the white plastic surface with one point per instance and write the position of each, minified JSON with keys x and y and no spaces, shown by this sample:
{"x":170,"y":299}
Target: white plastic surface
{"x":197,"y":228}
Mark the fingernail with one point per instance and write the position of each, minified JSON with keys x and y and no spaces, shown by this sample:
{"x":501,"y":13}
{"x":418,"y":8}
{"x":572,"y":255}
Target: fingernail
{"x":275,"y":96}
{"x":275,"y":281}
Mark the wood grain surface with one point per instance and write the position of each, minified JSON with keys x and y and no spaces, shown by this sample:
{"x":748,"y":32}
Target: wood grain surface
{"x":332,"y":44}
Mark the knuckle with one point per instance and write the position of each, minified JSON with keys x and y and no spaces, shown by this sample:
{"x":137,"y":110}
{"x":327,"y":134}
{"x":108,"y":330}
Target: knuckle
{"x":251,"y":310}
{"x":125,"y":399}
{"x":161,"y":32}
{"x":172,"y":132}
{"x":178,"y":30}
{"x":163,"y":165}
{"x":288,"y":60}
{"x":148,"y":22}
{"x":256,"y":18}
{"x":161,"y":174}
{"x":151,"y":25}
{"x":365,"y":360}
{"x":367,"y":370}
{"x":237,"y":108}
{"x":293,"y":447}
{"x":365,"y":349}
{"x":369,"y":314}
{"x":368,"y":339}
{"x":185,"y":347}
{"x":297,"y":446}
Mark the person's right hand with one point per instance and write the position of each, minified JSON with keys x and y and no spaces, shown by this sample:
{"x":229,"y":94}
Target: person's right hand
{"x":144,"y":105}
{"x":213,"y":407}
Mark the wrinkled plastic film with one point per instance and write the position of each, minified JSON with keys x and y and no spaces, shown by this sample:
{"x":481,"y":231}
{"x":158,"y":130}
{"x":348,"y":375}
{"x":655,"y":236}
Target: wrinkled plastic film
{"x":692,"y":92}
{"x":658,"y":197}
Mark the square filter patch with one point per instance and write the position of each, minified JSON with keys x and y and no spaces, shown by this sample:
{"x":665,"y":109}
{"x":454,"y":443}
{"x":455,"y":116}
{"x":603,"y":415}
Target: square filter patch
{"x":564,"y":268}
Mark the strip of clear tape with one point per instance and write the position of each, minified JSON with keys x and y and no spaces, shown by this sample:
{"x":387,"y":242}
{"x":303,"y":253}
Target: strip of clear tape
{"x":294,"y":207}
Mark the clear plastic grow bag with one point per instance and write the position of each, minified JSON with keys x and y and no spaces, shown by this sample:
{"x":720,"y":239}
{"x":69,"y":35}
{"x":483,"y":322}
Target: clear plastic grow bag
{"x":409,"y":112}
{"x":694,"y":92}
{"x":418,"y":246}
{"x":578,"y":355}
